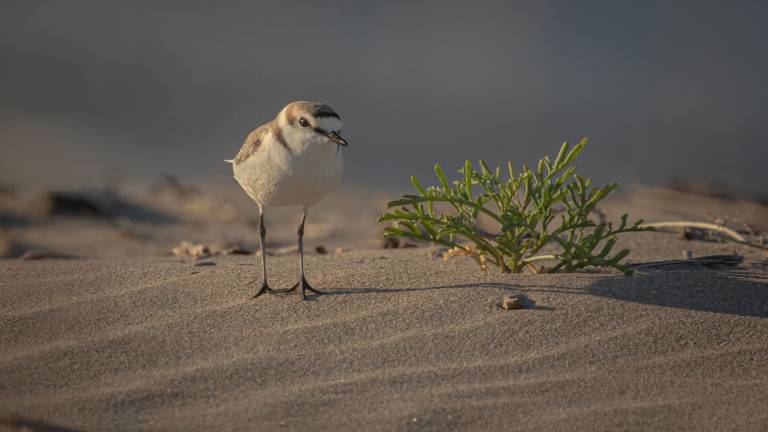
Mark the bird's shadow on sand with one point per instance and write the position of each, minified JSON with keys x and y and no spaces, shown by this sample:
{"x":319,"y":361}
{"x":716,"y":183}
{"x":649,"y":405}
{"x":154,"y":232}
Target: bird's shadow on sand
{"x":737,"y":291}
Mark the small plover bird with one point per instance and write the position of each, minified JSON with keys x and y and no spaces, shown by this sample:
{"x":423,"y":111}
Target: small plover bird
{"x":294,"y":160}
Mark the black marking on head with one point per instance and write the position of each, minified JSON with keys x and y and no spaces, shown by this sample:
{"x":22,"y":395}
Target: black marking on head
{"x":323,"y":114}
{"x":324,"y":110}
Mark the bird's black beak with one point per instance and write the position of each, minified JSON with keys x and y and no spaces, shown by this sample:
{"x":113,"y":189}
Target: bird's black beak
{"x":335,"y":137}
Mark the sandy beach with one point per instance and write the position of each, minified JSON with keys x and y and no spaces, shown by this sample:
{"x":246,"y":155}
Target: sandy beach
{"x":136,"y":339}
{"x":139,"y":141}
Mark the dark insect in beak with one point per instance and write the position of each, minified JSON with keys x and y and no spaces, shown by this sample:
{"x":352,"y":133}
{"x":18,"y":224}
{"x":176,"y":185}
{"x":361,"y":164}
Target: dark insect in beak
{"x":335,"y":137}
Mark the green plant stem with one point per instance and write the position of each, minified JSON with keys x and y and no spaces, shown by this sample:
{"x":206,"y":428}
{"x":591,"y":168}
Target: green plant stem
{"x":417,"y":199}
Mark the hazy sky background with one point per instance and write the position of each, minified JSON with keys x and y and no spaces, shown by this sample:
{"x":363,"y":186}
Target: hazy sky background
{"x":668,"y":89}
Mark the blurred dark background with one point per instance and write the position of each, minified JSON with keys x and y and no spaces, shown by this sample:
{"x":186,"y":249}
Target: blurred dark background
{"x":91,"y":91}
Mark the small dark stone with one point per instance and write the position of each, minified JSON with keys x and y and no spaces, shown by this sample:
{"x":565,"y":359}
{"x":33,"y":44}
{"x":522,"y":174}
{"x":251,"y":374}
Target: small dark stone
{"x":63,"y":203}
{"x":390,"y":243}
{"x":240,"y":251}
{"x":395,"y":243}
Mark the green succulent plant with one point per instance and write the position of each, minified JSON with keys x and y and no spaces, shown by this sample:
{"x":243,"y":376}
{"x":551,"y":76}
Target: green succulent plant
{"x":549,"y":205}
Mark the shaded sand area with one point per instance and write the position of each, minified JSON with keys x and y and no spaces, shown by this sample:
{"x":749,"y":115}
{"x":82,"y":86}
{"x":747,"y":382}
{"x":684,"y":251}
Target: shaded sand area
{"x":403,"y":341}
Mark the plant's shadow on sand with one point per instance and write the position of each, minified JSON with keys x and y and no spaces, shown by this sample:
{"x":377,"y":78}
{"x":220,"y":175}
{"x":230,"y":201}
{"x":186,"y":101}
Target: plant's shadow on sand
{"x":737,"y":292}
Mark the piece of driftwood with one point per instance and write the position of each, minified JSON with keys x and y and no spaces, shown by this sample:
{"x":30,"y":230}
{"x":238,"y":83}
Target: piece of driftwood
{"x":727,"y":232}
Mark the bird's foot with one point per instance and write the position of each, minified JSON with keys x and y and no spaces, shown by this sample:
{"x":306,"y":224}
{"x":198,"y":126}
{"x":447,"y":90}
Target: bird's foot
{"x":264,"y":289}
{"x":303,"y":285}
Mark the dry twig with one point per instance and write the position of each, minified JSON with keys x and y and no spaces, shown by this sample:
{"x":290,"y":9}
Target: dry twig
{"x":729,"y":233}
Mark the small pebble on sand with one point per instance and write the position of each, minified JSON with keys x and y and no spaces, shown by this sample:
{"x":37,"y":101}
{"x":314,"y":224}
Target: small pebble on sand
{"x":511,"y":302}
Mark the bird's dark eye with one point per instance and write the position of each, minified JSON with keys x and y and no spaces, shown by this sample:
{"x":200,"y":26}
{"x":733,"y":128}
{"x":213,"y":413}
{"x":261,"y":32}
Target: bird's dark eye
{"x":303,"y":122}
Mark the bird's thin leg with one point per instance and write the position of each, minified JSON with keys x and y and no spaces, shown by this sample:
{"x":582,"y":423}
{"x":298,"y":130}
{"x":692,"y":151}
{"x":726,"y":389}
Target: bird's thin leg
{"x":303,"y":284}
{"x":263,"y":244}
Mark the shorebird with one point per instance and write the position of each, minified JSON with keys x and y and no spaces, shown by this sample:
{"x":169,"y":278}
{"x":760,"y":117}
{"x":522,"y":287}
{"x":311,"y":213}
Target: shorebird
{"x":294,"y":160}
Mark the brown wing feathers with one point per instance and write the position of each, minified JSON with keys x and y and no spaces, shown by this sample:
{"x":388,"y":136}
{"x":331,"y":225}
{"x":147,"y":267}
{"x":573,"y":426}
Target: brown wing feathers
{"x":252,"y":143}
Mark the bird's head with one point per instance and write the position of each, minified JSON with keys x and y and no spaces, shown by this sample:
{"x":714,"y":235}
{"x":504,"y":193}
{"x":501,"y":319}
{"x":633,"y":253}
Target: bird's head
{"x":311,"y":122}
